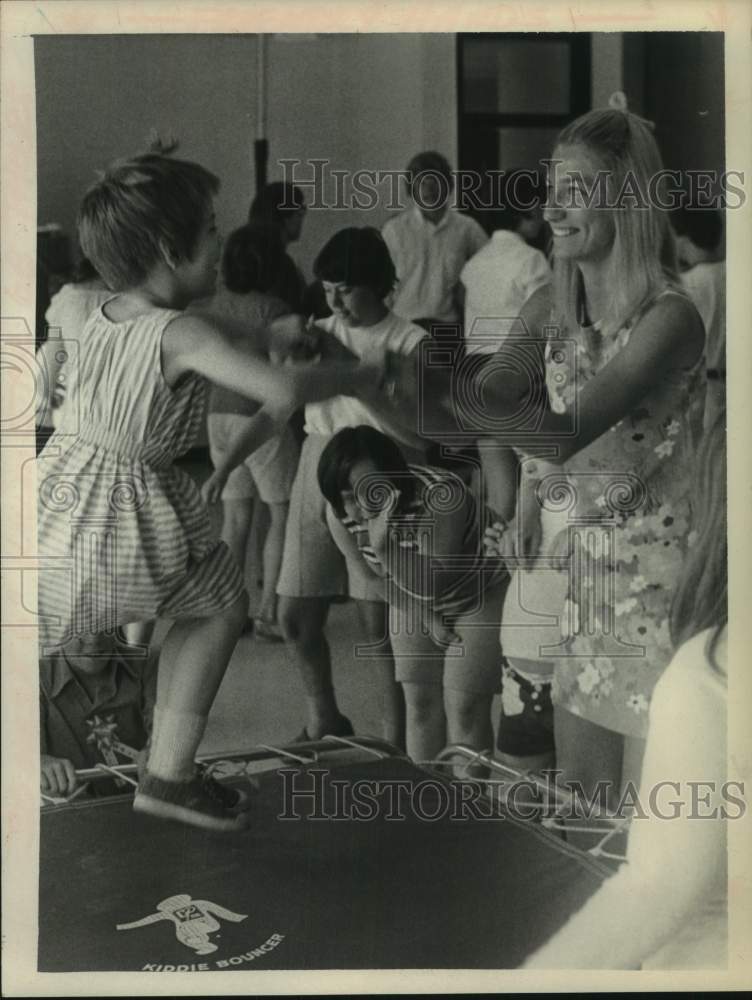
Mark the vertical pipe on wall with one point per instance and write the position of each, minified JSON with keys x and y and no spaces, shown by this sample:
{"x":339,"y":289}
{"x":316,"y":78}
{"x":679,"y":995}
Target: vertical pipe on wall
{"x":261,"y":145}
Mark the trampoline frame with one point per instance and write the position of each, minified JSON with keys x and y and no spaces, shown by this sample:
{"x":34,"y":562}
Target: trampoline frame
{"x":553,"y":811}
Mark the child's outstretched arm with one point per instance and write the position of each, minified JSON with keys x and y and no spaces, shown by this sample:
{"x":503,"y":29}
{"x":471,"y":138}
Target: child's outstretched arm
{"x":193,"y":344}
{"x":264,"y":424}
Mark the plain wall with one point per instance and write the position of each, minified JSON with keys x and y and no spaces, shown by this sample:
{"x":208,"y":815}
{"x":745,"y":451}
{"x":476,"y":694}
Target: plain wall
{"x":676,"y":80}
{"x":98,"y":97}
{"x":358,"y":101}
{"x":606,"y":66}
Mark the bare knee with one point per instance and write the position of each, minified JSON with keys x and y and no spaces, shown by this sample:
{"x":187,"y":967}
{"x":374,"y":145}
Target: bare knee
{"x":237,"y":515}
{"x":302,"y":626}
{"x":278,"y":514}
{"x":468,"y":709}
{"x":424,"y":703}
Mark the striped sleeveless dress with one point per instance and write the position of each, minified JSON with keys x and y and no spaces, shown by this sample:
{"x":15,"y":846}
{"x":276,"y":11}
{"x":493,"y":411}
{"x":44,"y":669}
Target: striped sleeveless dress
{"x":456,"y":589}
{"x":123,"y":535}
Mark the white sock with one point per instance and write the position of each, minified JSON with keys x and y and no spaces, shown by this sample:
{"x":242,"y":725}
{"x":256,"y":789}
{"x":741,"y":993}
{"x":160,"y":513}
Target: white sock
{"x":175,"y":740}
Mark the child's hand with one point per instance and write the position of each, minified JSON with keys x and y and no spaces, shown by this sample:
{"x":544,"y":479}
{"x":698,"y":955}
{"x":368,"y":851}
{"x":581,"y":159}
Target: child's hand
{"x":294,"y":338}
{"x":443,"y":634}
{"x":211,"y":491}
{"x":58,"y":776}
{"x":497,"y":540}
{"x":378,"y":526}
{"x":529,"y":532}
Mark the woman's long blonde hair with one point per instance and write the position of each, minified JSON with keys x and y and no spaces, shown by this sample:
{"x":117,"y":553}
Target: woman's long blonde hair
{"x":644,"y":253}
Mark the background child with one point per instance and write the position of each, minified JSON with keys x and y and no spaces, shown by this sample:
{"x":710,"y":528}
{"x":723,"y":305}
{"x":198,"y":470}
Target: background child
{"x":279,"y":209}
{"x":251,"y":266}
{"x":65,"y":319}
{"x":504,"y":273}
{"x":357,"y":274}
{"x":96,"y":706}
{"x":449,"y":675}
{"x":699,"y":246}
{"x":430,"y":243}
{"x":666,"y":907}
{"x":148,"y":227}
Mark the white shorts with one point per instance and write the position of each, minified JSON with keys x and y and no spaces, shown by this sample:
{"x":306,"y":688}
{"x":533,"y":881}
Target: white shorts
{"x":269,"y":472}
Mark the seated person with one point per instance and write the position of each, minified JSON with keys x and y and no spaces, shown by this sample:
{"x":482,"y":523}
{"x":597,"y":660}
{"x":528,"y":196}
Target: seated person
{"x":96,"y":706}
{"x":430,"y":243}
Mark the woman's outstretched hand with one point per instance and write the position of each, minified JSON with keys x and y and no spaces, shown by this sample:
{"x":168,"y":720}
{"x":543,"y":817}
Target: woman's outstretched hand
{"x":515,"y":540}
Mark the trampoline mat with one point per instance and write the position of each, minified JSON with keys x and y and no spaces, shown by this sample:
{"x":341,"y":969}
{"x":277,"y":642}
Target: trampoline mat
{"x":307,"y":893}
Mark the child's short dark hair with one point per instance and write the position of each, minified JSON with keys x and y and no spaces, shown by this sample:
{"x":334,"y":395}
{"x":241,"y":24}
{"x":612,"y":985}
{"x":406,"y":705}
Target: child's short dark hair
{"x":274,"y":202}
{"x":355,"y":444}
{"x":429,"y":162}
{"x":140,"y":210}
{"x":703,"y":226}
{"x":253,"y":260}
{"x":357,"y":257}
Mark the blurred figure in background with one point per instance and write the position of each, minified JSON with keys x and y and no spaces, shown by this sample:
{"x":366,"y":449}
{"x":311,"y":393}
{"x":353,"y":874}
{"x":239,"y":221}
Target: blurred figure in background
{"x":699,"y":244}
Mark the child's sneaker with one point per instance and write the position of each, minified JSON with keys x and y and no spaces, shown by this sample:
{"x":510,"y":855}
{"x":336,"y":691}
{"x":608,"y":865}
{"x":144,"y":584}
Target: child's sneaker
{"x":201,"y":802}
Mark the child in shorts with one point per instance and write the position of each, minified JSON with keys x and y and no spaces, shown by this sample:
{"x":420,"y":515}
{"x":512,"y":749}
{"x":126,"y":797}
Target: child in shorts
{"x":252,"y":265}
{"x":357,"y":274}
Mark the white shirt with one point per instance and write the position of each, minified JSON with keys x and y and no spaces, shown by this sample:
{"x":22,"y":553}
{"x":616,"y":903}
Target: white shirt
{"x":392,"y":333}
{"x":428,"y":259}
{"x":666,"y":907}
{"x":498,"y":281}
{"x":66,"y":317}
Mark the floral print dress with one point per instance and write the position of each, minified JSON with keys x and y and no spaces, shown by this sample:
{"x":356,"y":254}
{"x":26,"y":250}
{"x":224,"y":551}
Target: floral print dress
{"x":617,"y":516}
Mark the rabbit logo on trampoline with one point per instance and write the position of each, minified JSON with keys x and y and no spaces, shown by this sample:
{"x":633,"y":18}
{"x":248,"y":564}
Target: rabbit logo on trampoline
{"x":195,"y":920}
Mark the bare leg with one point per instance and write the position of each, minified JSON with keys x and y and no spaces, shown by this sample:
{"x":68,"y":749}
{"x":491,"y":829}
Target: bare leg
{"x":420,"y":661}
{"x":194,"y":657}
{"x":469,"y":719}
{"x":272,"y":557}
{"x":255,"y":552}
{"x":426,"y":722}
{"x":236,"y":524}
{"x":471,"y":680}
{"x":374,"y":619}
{"x":303,"y":620}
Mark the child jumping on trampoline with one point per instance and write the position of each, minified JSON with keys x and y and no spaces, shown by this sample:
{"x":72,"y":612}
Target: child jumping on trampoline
{"x":126,"y":529}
